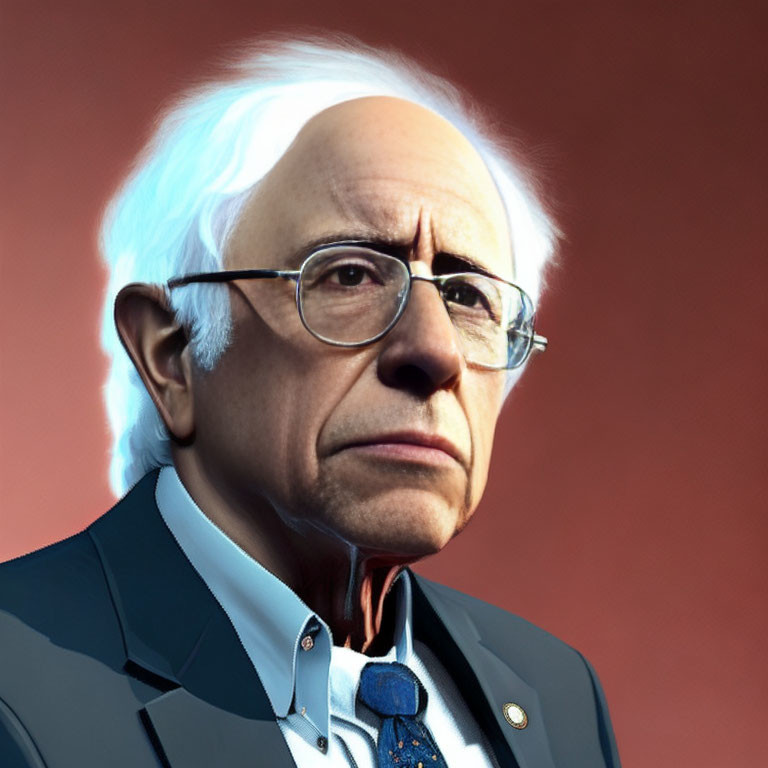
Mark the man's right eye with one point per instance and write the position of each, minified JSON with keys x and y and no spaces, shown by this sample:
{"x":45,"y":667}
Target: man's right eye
{"x":350,"y":274}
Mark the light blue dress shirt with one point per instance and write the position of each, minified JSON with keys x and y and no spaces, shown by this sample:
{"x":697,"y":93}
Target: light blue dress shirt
{"x":312,"y":684}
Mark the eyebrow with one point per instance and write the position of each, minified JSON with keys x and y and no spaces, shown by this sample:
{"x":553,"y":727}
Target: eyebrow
{"x":397,"y":247}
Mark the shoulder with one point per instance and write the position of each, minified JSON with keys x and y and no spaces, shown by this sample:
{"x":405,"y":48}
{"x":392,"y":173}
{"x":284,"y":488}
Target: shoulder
{"x":63,"y":591}
{"x":59,"y":594}
{"x":528,"y":641}
{"x":65,"y":584}
{"x":63,"y":580}
{"x":62,"y":666}
{"x":537,"y":656}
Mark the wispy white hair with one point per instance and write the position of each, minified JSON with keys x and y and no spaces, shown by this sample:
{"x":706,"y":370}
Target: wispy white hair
{"x":174,"y":211}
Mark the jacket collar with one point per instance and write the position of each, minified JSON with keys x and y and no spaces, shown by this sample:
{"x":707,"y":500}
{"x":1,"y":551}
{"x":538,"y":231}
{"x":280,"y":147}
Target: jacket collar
{"x":179,"y":639}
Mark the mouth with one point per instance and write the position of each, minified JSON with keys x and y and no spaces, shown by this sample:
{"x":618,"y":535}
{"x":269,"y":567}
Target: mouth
{"x":409,"y":447}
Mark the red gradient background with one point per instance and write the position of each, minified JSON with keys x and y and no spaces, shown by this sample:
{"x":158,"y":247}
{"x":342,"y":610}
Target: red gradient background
{"x":626,"y":510}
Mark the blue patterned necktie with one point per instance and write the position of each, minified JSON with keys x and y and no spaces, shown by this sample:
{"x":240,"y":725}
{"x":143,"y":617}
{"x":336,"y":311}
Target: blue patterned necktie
{"x":395,"y":694}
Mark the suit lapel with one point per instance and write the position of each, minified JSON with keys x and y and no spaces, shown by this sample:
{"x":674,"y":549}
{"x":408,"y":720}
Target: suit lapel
{"x":486,"y":679}
{"x":213,"y":709}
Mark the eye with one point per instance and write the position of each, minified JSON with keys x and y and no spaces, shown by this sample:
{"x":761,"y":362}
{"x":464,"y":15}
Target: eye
{"x":465,"y":294}
{"x":360,"y":273}
{"x":475,"y":298}
{"x":350,"y":274}
{"x":348,"y":271}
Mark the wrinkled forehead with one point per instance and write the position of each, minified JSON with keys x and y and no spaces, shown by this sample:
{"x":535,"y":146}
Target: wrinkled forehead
{"x":376,"y":169}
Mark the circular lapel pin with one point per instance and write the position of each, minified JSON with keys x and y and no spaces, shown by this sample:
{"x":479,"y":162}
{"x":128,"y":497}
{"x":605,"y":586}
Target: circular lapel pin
{"x":515,"y":715}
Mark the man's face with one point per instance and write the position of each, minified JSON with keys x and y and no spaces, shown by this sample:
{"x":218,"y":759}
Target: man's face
{"x":384,"y":447}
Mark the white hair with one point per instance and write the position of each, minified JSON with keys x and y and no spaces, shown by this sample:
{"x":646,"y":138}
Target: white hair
{"x":173,"y":213}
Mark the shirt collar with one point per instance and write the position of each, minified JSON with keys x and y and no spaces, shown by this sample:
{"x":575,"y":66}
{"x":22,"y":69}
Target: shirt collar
{"x":269,"y":618}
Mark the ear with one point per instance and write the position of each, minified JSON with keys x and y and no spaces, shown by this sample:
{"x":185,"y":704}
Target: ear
{"x":159,"y":348}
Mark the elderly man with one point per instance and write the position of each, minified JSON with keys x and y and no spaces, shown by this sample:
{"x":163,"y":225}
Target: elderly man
{"x":322,"y":274}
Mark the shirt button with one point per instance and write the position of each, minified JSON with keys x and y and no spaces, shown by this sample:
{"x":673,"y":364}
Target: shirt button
{"x":322,"y":743}
{"x":307,"y":643}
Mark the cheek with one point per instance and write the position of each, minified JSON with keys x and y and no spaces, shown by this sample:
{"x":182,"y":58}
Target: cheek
{"x":284,"y":402}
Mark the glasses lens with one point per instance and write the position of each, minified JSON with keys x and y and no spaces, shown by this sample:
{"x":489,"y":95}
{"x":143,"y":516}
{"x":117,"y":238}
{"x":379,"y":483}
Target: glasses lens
{"x":350,"y":295}
{"x":493,"y":319}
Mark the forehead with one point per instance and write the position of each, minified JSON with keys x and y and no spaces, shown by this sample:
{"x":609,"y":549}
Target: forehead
{"x":379,"y":169}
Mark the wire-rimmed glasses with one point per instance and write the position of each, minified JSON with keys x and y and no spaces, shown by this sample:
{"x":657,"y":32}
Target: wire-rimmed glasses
{"x":351,"y":294}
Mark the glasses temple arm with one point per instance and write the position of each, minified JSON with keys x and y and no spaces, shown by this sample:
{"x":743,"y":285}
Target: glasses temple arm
{"x":235,"y":274}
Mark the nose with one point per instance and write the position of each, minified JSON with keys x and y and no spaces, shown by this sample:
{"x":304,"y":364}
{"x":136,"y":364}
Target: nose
{"x":422,"y":353}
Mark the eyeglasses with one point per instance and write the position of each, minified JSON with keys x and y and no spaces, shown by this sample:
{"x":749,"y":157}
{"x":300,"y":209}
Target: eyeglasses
{"x":351,"y":294}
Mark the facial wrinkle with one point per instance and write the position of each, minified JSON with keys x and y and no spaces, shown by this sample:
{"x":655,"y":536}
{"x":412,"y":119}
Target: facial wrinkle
{"x":381,"y":216}
{"x":387,"y":207}
{"x":424,"y":242}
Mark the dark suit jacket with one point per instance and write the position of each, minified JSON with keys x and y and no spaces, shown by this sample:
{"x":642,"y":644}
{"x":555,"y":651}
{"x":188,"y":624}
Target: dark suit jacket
{"x":113,"y":653}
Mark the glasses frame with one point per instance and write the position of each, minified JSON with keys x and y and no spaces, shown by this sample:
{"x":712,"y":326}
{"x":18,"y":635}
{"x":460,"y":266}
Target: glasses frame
{"x":535,"y":341}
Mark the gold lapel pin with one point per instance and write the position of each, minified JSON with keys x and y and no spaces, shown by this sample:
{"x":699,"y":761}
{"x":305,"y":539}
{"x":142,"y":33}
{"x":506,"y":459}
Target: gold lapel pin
{"x":515,"y":715}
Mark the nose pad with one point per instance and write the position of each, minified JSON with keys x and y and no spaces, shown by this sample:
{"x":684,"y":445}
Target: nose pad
{"x":422,"y":353}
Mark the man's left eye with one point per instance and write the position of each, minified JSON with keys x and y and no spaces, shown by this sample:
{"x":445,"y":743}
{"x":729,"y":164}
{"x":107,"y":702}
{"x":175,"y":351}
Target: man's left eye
{"x":464,"y":294}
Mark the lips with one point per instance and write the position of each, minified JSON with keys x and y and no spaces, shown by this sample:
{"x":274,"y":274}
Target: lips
{"x":409,"y":445}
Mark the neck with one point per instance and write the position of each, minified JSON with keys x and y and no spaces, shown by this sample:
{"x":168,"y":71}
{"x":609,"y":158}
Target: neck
{"x":346,"y":587}
{"x":359,"y":621}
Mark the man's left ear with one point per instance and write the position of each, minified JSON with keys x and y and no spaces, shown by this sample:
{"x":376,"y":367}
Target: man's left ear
{"x":159,"y":348}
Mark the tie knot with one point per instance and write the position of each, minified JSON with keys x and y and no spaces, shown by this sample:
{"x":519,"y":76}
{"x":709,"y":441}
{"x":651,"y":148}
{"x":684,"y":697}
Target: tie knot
{"x":390,"y":689}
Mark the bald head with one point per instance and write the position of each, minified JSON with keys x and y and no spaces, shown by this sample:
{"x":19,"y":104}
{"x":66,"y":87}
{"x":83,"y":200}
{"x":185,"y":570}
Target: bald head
{"x":380,"y":169}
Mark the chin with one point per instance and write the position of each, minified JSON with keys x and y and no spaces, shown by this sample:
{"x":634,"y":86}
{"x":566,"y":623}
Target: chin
{"x":405,"y":515}
{"x":410,"y":529}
